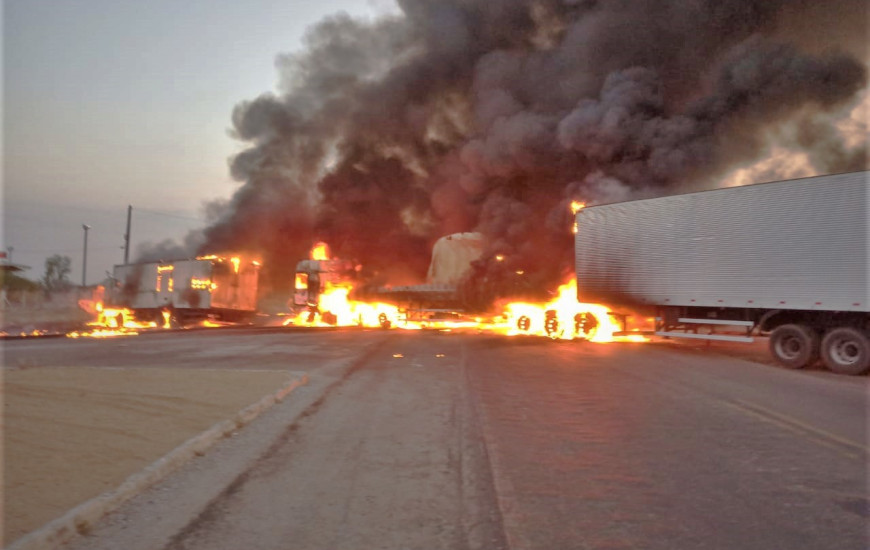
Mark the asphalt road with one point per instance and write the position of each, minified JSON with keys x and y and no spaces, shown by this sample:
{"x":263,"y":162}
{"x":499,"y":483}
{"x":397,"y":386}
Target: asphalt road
{"x":435,"y":440}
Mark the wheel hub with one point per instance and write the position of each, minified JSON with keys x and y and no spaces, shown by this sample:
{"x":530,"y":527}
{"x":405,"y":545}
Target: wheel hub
{"x":790,"y":347}
{"x":846,"y":352}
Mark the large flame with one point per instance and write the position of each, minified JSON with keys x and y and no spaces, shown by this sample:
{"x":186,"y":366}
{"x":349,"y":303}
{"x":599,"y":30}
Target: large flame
{"x":320,"y":251}
{"x":562,"y":318}
{"x":335,"y":308}
{"x":112,"y":321}
{"x":565,"y":318}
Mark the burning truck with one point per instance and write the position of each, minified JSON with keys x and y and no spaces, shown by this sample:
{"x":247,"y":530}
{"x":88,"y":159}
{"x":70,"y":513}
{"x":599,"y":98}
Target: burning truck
{"x":181,"y":291}
{"x":324,"y":284}
{"x":329,"y":292}
{"x":320,"y":276}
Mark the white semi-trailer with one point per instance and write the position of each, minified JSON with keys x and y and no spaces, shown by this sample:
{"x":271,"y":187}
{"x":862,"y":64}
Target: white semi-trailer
{"x":790,"y":259}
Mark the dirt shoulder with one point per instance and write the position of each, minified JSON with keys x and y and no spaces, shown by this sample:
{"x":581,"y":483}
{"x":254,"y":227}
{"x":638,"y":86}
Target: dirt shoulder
{"x":73,"y":433}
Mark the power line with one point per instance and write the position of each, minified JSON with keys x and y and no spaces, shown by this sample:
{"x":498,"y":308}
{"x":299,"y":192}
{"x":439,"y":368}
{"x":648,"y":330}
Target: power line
{"x":168,"y":215}
{"x":20,"y":216}
{"x":57,"y":250}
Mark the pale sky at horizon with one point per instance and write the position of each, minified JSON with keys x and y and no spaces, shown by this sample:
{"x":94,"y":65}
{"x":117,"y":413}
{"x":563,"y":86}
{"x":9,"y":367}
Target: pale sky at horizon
{"x":110,"y":103}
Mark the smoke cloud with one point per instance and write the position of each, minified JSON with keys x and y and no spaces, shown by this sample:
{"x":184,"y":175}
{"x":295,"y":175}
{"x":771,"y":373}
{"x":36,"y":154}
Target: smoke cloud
{"x":492,"y":115}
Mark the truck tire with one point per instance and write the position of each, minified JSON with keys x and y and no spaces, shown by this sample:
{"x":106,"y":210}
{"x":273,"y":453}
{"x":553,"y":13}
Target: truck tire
{"x":585,"y":325}
{"x":794,"y":346}
{"x":329,"y":318}
{"x":551,"y":323}
{"x":524,"y":323}
{"x":846,"y":350}
{"x":383,"y":321}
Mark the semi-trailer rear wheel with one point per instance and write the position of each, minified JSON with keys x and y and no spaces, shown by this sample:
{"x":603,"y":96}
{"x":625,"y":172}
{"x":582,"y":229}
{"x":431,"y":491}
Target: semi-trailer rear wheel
{"x":384,"y":321}
{"x":551,"y":323}
{"x":794,"y":346}
{"x":524,"y":323}
{"x":846,"y":350}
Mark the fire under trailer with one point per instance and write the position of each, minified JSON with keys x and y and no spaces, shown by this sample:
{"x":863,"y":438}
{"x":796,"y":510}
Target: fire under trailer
{"x":787,"y":259}
{"x":208,"y":287}
{"x":435,"y":301}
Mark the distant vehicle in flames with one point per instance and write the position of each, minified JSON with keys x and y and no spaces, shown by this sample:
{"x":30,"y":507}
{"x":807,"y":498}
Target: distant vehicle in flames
{"x":183,"y":291}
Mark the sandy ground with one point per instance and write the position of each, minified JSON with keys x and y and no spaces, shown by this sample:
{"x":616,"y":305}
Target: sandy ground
{"x":73,"y":433}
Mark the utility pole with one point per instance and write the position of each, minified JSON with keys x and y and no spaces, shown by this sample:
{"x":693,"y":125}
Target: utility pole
{"x":10,"y":249}
{"x":85,"y":254}
{"x":127,"y":235}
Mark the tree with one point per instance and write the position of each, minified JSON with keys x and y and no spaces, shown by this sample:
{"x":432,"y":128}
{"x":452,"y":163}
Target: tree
{"x":57,"y":270}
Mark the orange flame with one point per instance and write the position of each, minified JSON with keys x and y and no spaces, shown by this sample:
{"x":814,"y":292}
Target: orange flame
{"x":112,"y":321}
{"x":565,"y":318}
{"x":576,"y":206}
{"x":320,"y":251}
{"x":334,"y":308}
{"x":562,"y":318}
{"x":202,"y":284}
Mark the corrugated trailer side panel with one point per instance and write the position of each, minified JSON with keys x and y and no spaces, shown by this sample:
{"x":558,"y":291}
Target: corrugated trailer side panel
{"x":795,"y":244}
{"x":192,"y":288}
{"x":234,"y":290}
{"x":137,"y":286}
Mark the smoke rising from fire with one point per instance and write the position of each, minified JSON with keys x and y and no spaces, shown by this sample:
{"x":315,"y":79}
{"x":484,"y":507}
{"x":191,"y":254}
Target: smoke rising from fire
{"x":492,"y":115}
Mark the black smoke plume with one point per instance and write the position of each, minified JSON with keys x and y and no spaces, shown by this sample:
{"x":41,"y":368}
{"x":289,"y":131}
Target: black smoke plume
{"x":492,"y":115}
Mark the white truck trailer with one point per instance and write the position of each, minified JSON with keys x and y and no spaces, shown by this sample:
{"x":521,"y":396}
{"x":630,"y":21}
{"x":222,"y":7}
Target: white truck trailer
{"x":206,"y":287}
{"x":790,"y":259}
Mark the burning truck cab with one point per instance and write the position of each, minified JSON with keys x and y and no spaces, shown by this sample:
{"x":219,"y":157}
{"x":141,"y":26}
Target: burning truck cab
{"x":208,"y":287}
{"x":319,"y":274}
